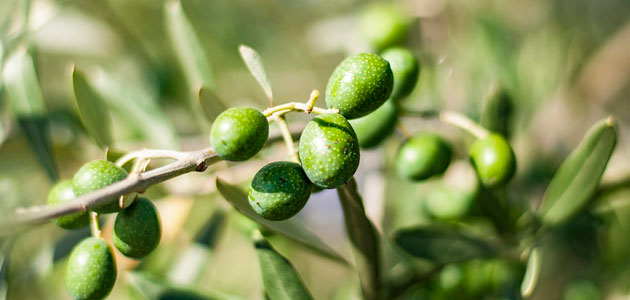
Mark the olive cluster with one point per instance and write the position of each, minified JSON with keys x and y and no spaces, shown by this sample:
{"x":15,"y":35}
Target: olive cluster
{"x":328,"y":152}
{"x":91,"y":270}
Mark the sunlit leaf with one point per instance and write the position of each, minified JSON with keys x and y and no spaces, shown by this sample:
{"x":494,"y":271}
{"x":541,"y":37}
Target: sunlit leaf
{"x":280,"y":279}
{"x":210,"y":103}
{"x":576,"y":180}
{"x":92,"y":109}
{"x":188,"y":49}
{"x":531,"y":273}
{"x":255,"y":65}
{"x":138,"y":108}
{"x":441,"y":244}
{"x":156,"y":288}
{"x":364,"y":240}
{"x":289,"y":228}
{"x":27,"y":105}
{"x":190,"y":264}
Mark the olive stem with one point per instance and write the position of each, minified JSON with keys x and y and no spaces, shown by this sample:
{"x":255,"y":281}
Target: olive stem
{"x":288,"y":139}
{"x":94,"y":228}
{"x":274,"y":113}
{"x":450,"y":117}
{"x":464,"y":123}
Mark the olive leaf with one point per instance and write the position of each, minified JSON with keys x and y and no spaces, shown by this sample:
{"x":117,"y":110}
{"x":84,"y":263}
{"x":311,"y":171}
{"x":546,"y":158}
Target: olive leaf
{"x":255,"y":65}
{"x":280,"y":279}
{"x":137,"y":107}
{"x":531,"y":273}
{"x":157,"y":288}
{"x":210,"y":103}
{"x":441,"y":244}
{"x":26,"y":102}
{"x":188,"y":49}
{"x":576,"y":180}
{"x":92,"y":110}
{"x":189,"y":266}
{"x":289,"y":228}
{"x":364,"y":240}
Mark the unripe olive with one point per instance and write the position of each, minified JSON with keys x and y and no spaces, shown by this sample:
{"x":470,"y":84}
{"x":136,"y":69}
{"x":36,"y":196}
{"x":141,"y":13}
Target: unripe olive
{"x":582,"y":290}
{"x":493,"y":159}
{"x":239,"y":133}
{"x":329,"y":150}
{"x":383,"y":25}
{"x":422,"y":156}
{"x":61,"y":192}
{"x":279,"y":190}
{"x":96,"y":175}
{"x":137,"y":230}
{"x":91,"y":270}
{"x":360,"y":84}
{"x":405,"y":68}
{"x":372,"y":129}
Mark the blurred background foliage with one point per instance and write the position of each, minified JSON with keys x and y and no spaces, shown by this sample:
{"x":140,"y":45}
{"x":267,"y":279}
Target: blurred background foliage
{"x":563,"y":63}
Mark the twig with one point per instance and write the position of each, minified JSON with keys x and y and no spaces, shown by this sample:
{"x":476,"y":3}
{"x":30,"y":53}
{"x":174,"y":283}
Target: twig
{"x":94,"y":228}
{"x":451,"y":117}
{"x":288,"y":139}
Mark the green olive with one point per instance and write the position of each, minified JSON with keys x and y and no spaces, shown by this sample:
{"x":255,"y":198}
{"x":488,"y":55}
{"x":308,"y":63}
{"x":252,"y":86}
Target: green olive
{"x":422,"y":156}
{"x":383,"y":25}
{"x":372,"y":129}
{"x":360,"y":84}
{"x":91,"y":270}
{"x":96,"y":175}
{"x":239,"y":133}
{"x":279,"y":190}
{"x":405,"y":68}
{"x":329,"y":150}
{"x":137,"y":229}
{"x":62,"y":192}
{"x":494,"y":160}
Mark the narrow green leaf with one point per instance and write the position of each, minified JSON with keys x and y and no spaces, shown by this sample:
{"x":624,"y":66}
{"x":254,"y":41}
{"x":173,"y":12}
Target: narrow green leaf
{"x":157,"y":288}
{"x":190,"y":264}
{"x":210,"y":103}
{"x":188,"y":49}
{"x":92,"y":110}
{"x":531,"y":273}
{"x":255,"y":65}
{"x":364,"y":240}
{"x":441,"y":244}
{"x":138,"y":108}
{"x":27,"y":105}
{"x":496,"y":111}
{"x":280,"y":279}
{"x":576,"y":180}
{"x":289,"y":228}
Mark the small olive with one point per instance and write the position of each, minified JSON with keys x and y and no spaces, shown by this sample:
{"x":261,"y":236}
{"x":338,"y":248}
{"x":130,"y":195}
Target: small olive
{"x":96,"y":175}
{"x":279,"y":190}
{"x":405,"y":68}
{"x":493,"y":159}
{"x":422,"y":156}
{"x":137,"y":229}
{"x":372,"y":129}
{"x":383,"y":25}
{"x":239,"y":133}
{"x":91,"y":270}
{"x":62,"y":192}
{"x":329,"y":150}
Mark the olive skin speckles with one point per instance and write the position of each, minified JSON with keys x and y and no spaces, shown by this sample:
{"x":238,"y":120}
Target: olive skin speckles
{"x":62,"y":192}
{"x":372,"y":129}
{"x":137,"y":229}
{"x":406,"y":70}
{"x":329,"y":151}
{"x":239,"y":133}
{"x":422,"y":156}
{"x":96,"y":175}
{"x":91,"y":270}
{"x":360,"y":84}
{"x":279,"y":190}
{"x":494,"y":160}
